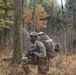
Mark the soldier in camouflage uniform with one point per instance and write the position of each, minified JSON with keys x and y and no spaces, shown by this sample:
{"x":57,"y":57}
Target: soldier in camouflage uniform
{"x":39,"y":56}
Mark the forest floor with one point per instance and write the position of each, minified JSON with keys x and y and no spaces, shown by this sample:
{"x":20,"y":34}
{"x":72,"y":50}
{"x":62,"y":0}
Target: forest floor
{"x":59,"y":65}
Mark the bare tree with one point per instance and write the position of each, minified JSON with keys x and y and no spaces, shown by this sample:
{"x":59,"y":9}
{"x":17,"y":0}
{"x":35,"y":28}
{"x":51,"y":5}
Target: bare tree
{"x":33,"y":16}
{"x":74,"y":17}
{"x":17,"y":31}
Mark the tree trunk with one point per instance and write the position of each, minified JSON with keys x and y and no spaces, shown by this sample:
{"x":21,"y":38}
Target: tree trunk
{"x":0,"y":40}
{"x":5,"y":30}
{"x":33,"y":16}
{"x":17,"y":54}
{"x":74,"y":15}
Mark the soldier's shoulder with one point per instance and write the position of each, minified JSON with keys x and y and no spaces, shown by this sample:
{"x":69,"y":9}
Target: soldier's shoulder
{"x":40,"y":43}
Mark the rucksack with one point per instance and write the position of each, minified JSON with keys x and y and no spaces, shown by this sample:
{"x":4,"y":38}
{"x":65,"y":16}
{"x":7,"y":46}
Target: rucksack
{"x":51,"y":47}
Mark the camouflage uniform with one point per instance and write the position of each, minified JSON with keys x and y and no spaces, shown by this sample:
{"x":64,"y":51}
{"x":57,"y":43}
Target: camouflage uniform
{"x":38,"y":58}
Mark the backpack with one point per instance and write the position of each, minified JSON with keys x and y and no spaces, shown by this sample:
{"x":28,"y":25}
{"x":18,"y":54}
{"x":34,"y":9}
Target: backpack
{"x":51,"y":47}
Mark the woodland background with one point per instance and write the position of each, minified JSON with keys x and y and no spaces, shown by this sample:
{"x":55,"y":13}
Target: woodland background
{"x":58,"y":21}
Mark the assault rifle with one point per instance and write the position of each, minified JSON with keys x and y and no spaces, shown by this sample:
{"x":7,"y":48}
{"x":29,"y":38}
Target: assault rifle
{"x":30,"y":53}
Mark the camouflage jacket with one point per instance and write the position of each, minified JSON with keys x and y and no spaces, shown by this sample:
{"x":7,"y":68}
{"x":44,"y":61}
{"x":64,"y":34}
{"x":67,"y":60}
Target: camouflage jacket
{"x":40,"y":53}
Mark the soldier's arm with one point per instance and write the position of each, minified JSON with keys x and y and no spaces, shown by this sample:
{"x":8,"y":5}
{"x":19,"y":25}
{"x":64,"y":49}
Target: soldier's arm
{"x":42,"y":49}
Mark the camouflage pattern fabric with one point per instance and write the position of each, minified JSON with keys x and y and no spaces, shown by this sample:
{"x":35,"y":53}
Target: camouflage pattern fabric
{"x":43,"y":66}
{"x":49,"y":44}
{"x":38,"y":58}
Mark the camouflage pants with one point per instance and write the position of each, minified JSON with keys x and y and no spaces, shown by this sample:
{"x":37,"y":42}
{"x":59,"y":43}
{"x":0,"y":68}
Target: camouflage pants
{"x":43,"y":65}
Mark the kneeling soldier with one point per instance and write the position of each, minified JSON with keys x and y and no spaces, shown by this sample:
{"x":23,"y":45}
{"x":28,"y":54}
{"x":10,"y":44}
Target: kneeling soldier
{"x":37,"y":55}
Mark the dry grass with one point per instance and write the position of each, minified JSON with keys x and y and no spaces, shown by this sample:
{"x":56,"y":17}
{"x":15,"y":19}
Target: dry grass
{"x":60,"y":65}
